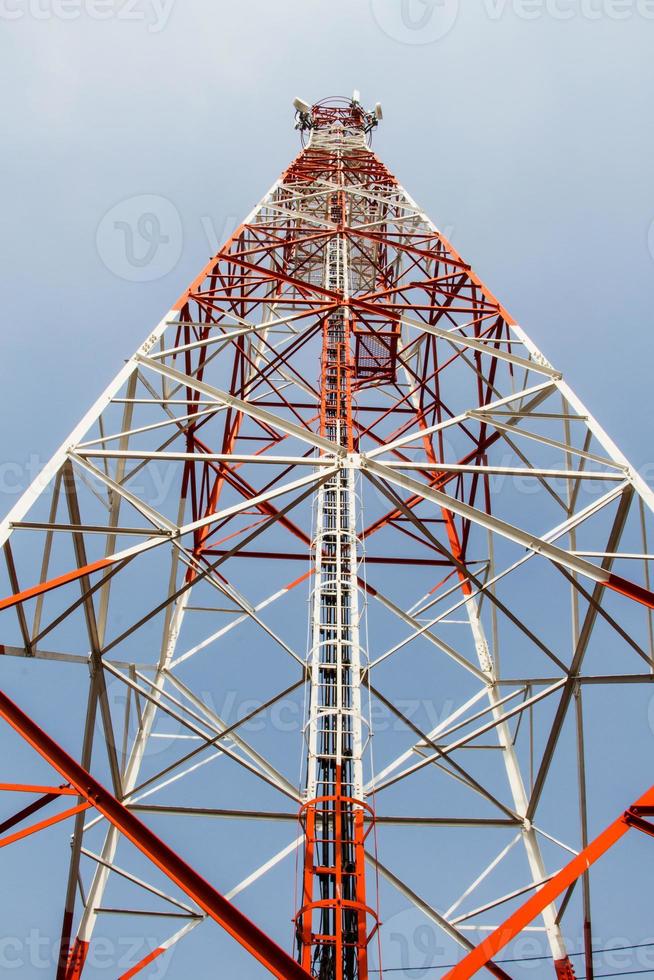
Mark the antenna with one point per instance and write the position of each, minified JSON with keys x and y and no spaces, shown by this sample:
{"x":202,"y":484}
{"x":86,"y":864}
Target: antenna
{"x":301,"y":105}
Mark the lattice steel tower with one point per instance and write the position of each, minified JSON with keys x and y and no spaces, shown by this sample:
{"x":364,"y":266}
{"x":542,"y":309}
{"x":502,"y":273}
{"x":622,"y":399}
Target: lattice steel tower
{"x":345,"y":421}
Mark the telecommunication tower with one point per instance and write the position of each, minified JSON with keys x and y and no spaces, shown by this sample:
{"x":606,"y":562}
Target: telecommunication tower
{"x":348,"y":423}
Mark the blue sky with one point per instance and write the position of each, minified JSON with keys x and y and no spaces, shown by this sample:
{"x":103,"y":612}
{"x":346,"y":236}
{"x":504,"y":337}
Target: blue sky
{"x":523,"y":128}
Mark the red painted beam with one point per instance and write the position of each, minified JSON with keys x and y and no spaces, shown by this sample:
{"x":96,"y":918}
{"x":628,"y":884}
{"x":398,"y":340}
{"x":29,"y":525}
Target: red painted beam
{"x":257,"y":942}
{"x":633,"y":591}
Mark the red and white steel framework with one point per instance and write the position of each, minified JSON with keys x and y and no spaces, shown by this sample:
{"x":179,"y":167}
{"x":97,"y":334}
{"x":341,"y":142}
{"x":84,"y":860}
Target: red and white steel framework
{"x":348,"y":422}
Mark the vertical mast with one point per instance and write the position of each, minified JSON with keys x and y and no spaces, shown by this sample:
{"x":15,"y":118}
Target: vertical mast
{"x":332,"y":924}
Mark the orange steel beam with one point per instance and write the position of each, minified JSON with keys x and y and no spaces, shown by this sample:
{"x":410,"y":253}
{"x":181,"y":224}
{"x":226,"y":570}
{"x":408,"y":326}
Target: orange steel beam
{"x":49,"y":790}
{"x":55,"y":583}
{"x":220,"y":909}
{"x":141,"y":965}
{"x":631,"y":818}
{"x":43,"y":824}
{"x":47,"y":795}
